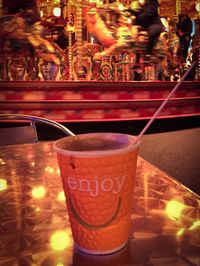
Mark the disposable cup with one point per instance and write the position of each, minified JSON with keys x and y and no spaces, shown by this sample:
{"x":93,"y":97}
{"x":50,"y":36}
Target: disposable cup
{"x":98,"y":172}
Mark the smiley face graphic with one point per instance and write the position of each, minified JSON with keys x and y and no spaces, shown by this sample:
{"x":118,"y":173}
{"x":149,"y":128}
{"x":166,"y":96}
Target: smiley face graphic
{"x":81,"y":220}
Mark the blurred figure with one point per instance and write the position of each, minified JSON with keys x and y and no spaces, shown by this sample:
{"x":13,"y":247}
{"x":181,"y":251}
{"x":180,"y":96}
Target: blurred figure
{"x":21,"y":29}
{"x":27,"y":9}
{"x":148,"y":18}
{"x":184,"y":31}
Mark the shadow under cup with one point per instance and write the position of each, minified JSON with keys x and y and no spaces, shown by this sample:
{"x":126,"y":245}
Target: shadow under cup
{"x":98,"y":172}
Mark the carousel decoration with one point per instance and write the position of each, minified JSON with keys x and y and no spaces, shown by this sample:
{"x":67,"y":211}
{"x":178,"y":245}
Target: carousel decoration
{"x":70,"y":30}
{"x":178,"y":7}
{"x":80,"y":71}
{"x":198,"y":41}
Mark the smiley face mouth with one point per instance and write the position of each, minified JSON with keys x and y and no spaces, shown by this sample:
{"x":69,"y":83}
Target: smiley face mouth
{"x":89,"y":226}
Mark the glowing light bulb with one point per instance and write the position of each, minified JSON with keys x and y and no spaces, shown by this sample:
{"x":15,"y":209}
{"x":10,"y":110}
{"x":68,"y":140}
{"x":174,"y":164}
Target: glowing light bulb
{"x":174,"y":209}
{"x":197,"y":6}
{"x":41,"y":13}
{"x":57,"y":11}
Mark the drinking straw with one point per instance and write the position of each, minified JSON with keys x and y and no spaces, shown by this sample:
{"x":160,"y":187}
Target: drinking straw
{"x":165,"y":101}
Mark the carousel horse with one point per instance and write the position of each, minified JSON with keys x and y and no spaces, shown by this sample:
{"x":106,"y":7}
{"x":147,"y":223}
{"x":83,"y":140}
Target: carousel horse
{"x":17,"y":33}
{"x":124,"y":37}
{"x":173,"y":57}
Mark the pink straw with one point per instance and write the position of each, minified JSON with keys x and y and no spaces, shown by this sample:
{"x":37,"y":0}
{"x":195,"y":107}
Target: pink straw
{"x":164,"y":102}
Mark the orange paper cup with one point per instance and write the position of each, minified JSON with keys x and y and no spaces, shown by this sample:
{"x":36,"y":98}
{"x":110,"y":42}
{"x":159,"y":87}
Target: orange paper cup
{"x":98,"y":172}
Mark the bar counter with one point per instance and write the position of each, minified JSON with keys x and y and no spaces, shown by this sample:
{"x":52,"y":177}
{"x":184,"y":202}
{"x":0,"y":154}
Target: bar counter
{"x":34,"y":226}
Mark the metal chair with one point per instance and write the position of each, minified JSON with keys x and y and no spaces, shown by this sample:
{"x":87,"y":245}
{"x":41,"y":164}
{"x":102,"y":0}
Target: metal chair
{"x":28,"y":133}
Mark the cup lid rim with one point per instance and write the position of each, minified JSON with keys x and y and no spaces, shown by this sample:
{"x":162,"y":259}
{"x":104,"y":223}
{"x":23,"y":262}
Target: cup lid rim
{"x":97,"y":152}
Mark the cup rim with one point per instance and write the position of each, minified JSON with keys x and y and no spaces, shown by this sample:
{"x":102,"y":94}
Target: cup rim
{"x":131,"y":146}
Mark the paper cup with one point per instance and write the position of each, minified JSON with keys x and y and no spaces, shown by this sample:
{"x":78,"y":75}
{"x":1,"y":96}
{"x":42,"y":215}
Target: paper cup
{"x":98,"y":172}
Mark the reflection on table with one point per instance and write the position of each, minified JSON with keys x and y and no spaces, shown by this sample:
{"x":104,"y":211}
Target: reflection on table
{"x":34,"y":226}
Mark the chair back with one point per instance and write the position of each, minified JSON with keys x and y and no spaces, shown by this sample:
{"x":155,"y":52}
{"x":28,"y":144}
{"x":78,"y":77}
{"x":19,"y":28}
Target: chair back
{"x":28,"y":133}
{"x":17,"y":135}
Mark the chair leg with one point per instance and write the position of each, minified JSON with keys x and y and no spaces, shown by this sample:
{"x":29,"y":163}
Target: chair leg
{"x":34,"y":129}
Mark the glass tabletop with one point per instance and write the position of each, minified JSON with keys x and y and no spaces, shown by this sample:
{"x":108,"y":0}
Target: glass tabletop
{"x":34,"y":225}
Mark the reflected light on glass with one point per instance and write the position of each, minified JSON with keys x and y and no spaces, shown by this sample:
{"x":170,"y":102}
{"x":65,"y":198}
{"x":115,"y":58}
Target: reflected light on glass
{"x":61,"y":196}
{"x":195,"y":225}
{"x":38,"y":192}
{"x":61,"y":240}
{"x":58,"y":171}
{"x":37,"y":209}
{"x":194,"y":233}
{"x":3,"y":184}
{"x":180,"y":232}
{"x":49,"y":169}
{"x":174,"y":209}
{"x":2,"y":161}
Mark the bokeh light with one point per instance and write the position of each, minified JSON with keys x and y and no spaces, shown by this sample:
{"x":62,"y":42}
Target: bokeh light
{"x":195,"y":225}
{"x":2,"y":161}
{"x":37,"y":209}
{"x":49,"y":169}
{"x":61,"y":240}
{"x":3,"y":184}
{"x":180,"y":232}
{"x":38,"y":192}
{"x":61,"y":196}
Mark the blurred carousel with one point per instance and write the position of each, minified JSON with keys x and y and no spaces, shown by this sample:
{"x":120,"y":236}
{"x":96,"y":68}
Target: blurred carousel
{"x":88,"y":40}
{"x":52,"y":44}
